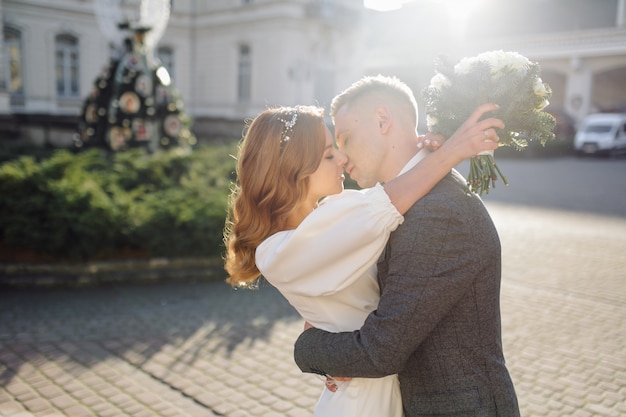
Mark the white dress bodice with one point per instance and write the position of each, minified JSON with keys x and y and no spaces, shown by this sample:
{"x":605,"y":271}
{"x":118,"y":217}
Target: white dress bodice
{"x":326,"y":269}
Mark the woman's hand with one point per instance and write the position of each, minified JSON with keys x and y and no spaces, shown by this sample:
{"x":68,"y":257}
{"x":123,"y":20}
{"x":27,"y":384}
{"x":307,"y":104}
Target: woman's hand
{"x":430,"y":141}
{"x":474,"y":135}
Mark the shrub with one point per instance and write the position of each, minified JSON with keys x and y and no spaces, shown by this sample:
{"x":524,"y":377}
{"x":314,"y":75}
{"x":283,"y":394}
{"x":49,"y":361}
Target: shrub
{"x":94,"y":204}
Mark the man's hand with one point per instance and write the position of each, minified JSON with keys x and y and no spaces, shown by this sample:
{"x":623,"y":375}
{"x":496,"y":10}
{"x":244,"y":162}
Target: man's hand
{"x":333,"y":383}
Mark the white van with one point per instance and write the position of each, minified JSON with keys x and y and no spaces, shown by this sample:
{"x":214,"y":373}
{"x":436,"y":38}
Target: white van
{"x":601,"y":133}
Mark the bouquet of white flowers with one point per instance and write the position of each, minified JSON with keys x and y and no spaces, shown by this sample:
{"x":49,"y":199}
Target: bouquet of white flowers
{"x":504,"y":78}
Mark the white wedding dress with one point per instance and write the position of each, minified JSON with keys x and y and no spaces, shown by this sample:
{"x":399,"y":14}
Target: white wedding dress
{"x":326,"y":269}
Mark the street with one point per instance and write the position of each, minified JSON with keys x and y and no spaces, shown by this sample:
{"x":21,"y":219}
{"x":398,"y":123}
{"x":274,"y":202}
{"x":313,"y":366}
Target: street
{"x":199,"y":348}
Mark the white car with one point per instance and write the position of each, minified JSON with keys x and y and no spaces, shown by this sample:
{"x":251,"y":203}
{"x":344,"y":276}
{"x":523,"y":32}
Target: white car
{"x":601,"y":133}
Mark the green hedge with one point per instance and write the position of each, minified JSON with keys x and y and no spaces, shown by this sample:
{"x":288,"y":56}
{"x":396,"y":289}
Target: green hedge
{"x":95,"y":204}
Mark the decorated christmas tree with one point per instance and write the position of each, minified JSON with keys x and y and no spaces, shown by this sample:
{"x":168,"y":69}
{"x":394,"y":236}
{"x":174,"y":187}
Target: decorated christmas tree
{"x":133,"y":102}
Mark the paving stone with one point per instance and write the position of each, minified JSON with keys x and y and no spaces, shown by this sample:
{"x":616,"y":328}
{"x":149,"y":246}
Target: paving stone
{"x":11,"y":408}
{"x":90,"y":399}
{"x":17,"y":388}
{"x":50,"y":391}
{"x":201,"y":349}
{"x":144,"y":413}
{"x":78,"y":411}
{"x":39,"y":405}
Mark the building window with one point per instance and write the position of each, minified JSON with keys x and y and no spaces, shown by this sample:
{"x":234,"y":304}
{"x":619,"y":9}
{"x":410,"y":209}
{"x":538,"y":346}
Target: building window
{"x":67,"y":59}
{"x":13,"y":61}
{"x":166,"y":56}
{"x":244,"y":80}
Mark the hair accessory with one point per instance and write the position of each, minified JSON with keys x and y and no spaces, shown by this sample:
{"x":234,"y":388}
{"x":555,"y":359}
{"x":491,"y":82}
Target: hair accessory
{"x":288,"y":126}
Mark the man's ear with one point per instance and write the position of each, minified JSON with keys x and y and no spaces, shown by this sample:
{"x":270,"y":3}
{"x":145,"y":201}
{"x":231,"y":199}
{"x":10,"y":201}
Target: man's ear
{"x":383,"y":117}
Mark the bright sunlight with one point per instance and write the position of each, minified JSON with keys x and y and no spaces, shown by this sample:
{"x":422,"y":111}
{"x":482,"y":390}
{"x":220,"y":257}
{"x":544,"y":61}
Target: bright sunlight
{"x":383,"y":5}
{"x":458,"y":10}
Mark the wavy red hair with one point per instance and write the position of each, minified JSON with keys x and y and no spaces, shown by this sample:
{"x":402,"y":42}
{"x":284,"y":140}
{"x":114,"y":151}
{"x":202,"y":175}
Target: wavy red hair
{"x":272,"y":178}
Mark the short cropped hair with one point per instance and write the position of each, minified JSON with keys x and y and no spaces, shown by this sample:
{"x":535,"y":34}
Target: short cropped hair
{"x":390,"y":86}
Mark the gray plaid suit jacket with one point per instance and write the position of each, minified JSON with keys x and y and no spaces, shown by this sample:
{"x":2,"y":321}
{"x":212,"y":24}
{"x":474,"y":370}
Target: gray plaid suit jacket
{"x":438,"y":321}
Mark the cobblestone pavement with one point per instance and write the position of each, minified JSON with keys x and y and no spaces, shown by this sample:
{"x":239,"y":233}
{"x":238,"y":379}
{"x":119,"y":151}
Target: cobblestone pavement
{"x":202,"y":349}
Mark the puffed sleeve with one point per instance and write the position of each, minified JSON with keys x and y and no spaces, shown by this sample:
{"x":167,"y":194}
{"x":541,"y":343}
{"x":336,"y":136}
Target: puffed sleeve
{"x":333,"y":246}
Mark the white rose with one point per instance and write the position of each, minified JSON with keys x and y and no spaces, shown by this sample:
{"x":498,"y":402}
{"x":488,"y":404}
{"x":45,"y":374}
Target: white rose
{"x":539,"y":88}
{"x":431,"y":121}
{"x":465,"y":65}
{"x":515,"y":60}
{"x":501,"y":61}
{"x":439,"y":81}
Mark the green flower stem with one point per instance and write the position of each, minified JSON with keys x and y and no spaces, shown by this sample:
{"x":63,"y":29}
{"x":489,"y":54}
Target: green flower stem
{"x":504,"y":180}
{"x":483,"y":174}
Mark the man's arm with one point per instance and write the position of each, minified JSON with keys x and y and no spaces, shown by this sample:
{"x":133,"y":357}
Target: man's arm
{"x":431,"y":266}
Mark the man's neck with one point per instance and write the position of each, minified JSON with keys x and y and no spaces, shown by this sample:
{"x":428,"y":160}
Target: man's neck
{"x":403,"y":148}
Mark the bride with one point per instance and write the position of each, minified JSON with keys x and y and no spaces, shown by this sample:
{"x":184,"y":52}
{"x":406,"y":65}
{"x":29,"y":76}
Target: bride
{"x":321,"y":253}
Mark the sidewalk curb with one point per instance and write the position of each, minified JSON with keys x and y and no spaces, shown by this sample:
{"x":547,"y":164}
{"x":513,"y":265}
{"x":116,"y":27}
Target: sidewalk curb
{"x":19,"y":275}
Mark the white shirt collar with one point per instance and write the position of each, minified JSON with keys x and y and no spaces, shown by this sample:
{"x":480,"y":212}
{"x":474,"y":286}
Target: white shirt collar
{"x":413,"y":161}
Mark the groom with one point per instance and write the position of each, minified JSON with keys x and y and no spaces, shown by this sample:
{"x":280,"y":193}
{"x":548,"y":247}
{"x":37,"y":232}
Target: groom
{"x":438,"y":321}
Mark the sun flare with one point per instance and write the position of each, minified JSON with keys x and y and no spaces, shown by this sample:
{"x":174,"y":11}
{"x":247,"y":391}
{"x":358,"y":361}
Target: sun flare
{"x":383,"y":5}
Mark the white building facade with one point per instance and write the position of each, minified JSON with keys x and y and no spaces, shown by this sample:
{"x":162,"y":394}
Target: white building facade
{"x":231,"y":59}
